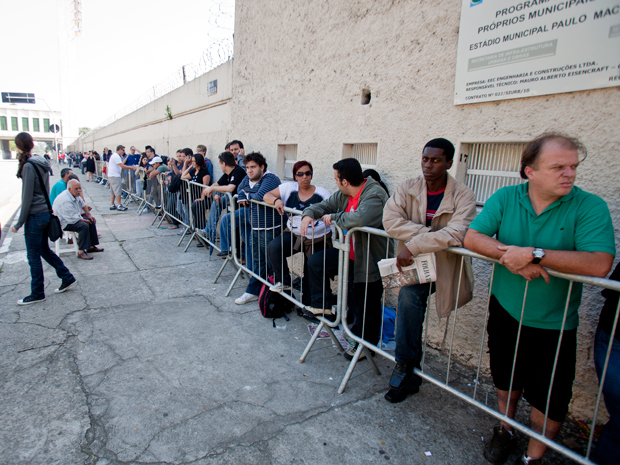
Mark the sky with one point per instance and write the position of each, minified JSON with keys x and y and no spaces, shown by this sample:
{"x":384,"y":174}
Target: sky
{"x":125,"y":48}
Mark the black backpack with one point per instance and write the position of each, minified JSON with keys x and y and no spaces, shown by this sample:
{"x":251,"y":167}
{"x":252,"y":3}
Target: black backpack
{"x":272,"y":304}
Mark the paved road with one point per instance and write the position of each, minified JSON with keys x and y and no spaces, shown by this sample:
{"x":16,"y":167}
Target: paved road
{"x":10,"y":190}
{"x":146,"y":361}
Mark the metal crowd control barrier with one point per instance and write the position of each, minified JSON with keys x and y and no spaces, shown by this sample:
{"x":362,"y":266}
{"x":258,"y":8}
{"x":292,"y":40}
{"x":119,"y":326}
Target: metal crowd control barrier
{"x":364,"y":345}
{"x":257,"y":242}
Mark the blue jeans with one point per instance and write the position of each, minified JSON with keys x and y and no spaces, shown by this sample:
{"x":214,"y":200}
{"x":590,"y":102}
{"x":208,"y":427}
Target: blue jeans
{"x":260,"y":262}
{"x":243,"y":226}
{"x":608,"y":450}
{"x":37,"y":246}
{"x":409,"y":321}
{"x":214,"y":215}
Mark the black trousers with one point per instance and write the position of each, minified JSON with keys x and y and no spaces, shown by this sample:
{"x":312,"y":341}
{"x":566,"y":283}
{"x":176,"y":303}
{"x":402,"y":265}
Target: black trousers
{"x":87,"y":234}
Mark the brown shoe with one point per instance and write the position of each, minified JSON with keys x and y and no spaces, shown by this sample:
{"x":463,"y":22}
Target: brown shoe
{"x":95,"y":249}
{"x":84,"y":256}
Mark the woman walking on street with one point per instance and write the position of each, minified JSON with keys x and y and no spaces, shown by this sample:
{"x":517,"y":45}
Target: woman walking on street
{"x":35,"y":214}
{"x":91,"y":167}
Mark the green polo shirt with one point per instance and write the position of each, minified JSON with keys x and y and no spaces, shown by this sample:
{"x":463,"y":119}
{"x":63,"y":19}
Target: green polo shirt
{"x":578,"y":221}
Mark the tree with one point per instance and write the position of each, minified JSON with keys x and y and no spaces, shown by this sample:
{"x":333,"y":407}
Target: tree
{"x":84,"y":130}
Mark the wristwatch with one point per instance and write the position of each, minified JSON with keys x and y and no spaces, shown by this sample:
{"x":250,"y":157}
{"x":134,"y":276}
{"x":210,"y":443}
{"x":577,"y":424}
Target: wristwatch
{"x":538,"y":255}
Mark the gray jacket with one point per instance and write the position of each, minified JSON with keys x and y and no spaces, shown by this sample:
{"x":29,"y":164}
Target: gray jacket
{"x":369,"y":213}
{"x":33,"y":200}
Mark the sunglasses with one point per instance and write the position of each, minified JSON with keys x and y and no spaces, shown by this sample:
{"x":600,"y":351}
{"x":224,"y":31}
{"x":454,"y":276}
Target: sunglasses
{"x":303,"y":173}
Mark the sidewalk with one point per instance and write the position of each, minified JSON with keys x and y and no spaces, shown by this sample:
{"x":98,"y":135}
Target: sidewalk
{"x":146,"y":361}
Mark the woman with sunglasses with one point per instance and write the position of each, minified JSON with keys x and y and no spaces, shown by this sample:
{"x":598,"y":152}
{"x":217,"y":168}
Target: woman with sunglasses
{"x":295,"y":195}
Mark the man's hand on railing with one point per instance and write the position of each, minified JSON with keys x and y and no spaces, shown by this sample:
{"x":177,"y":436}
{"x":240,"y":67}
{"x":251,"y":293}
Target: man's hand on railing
{"x":279,"y":204}
{"x":532,"y":271}
{"x":404,"y":258}
{"x":244,"y":203}
{"x":515,"y":258}
{"x":305,"y":222}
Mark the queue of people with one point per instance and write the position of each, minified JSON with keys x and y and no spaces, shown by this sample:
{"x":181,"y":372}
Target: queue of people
{"x":546,"y":222}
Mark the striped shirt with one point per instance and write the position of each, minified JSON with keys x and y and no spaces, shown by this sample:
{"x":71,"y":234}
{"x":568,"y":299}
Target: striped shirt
{"x":262,"y":217}
{"x":433,"y":200}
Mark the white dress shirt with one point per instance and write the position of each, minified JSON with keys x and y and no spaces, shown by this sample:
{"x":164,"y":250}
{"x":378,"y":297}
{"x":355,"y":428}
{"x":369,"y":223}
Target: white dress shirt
{"x":68,"y":209}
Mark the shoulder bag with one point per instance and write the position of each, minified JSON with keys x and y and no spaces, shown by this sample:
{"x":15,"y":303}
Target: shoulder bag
{"x":54,"y":230}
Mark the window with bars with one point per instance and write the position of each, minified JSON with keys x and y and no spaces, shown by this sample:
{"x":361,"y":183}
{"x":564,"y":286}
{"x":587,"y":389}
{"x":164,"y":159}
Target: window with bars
{"x":46,"y":125}
{"x":14,"y":123}
{"x":491,"y":166}
{"x":287,"y":157}
{"x":366,"y":154}
{"x":35,"y":124}
{"x":3,"y":125}
{"x":25,"y":125}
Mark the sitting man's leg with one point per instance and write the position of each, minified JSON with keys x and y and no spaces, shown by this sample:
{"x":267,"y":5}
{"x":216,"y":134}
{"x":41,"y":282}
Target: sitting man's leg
{"x":83,"y":231}
{"x":322,"y":266}
{"x":278,"y":250}
{"x":410,"y":319}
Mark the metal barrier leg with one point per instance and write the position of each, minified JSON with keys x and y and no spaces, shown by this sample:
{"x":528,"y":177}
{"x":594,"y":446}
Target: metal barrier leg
{"x":230,"y":288}
{"x":190,"y":241}
{"x":219,"y":273}
{"x":182,"y":237}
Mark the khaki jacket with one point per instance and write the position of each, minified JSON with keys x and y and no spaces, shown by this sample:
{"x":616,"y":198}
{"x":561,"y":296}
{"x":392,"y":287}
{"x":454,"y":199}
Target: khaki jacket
{"x":404,"y":218}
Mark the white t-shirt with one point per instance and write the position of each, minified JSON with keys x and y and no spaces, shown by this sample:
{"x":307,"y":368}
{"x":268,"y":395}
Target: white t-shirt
{"x":113,"y":169}
{"x":319,"y":228}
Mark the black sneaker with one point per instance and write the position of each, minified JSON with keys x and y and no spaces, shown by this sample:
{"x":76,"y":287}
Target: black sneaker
{"x":65,"y":286}
{"x":499,"y":447}
{"x":112,"y":207}
{"x":30,"y":300}
{"x":223,"y":253}
{"x":121,"y":208}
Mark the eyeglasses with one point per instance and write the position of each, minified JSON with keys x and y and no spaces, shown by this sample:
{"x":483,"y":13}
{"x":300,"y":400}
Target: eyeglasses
{"x":303,"y":173}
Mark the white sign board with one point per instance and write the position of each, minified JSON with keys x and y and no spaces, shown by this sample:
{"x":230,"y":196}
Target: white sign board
{"x":513,"y":49}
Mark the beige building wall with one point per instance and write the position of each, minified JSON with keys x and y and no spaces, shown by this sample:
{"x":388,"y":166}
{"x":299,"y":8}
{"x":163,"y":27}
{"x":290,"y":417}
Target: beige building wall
{"x":197,"y":118}
{"x":299,"y":71}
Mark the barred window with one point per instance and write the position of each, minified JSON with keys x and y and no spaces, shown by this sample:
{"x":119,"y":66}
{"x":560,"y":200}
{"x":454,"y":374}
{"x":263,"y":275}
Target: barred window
{"x":365,"y":153}
{"x":491,"y":166}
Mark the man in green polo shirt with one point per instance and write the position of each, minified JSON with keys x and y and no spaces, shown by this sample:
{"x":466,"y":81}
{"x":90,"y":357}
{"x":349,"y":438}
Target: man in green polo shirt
{"x":61,"y":185}
{"x":546,"y":222}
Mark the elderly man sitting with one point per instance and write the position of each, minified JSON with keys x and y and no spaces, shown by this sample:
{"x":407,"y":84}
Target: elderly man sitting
{"x":74,"y":215}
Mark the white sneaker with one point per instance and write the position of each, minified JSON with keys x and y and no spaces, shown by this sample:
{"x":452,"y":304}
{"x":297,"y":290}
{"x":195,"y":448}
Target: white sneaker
{"x":279,"y":287}
{"x":245,"y":298}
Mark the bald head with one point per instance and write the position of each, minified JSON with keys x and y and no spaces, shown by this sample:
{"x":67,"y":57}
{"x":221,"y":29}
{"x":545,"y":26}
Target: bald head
{"x":74,"y":187}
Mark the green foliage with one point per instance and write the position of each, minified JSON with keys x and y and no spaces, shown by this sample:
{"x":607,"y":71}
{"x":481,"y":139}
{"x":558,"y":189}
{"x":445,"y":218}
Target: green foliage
{"x":168,"y":112}
{"x":84,"y":130}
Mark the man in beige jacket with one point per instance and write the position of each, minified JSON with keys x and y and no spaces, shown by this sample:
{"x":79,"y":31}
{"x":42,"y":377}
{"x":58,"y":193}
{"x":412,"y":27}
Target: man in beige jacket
{"x":428,"y":214}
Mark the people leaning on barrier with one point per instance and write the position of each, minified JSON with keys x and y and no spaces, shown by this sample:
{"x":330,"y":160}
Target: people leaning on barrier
{"x":427,"y":214}
{"x":298,"y":196}
{"x":264,"y":222}
{"x":198,"y":173}
{"x":153,"y":178}
{"x":546,"y":222}
{"x":359,"y":202}
{"x":61,"y":185}
{"x":74,"y":215}
{"x":115,"y":166}
{"x":228,"y":183}
{"x":608,"y":445}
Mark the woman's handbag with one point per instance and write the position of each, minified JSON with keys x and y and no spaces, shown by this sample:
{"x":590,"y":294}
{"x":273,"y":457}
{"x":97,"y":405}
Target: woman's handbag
{"x":54,"y":230}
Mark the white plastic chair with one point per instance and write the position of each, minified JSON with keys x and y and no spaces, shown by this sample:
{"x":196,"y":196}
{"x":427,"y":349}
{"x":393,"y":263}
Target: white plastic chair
{"x":66,"y":235}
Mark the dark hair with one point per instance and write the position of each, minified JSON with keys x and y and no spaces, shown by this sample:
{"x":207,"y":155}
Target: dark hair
{"x":445,"y":145}
{"x":200,"y":161}
{"x":188,"y":152}
{"x":144,"y":156}
{"x":64,"y":172}
{"x":233,"y":142}
{"x":531,"y":152}
{"x":164,"y":159}
{"x":228,"y":146}
{"x":25,"y":144}
{"x":301,"y":163}
{"x":73,"y":176}
{"x":256,"y":157}
{"x":118,"y":147}
{"x":374,"y":175}
{"x":227,"y":158}
{"x":349,"y":169}
{"x":148,"y":147}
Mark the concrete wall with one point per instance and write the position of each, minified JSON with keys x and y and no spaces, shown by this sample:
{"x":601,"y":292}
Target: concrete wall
{"x":197,"y":118}
{"x":299,"y":71}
